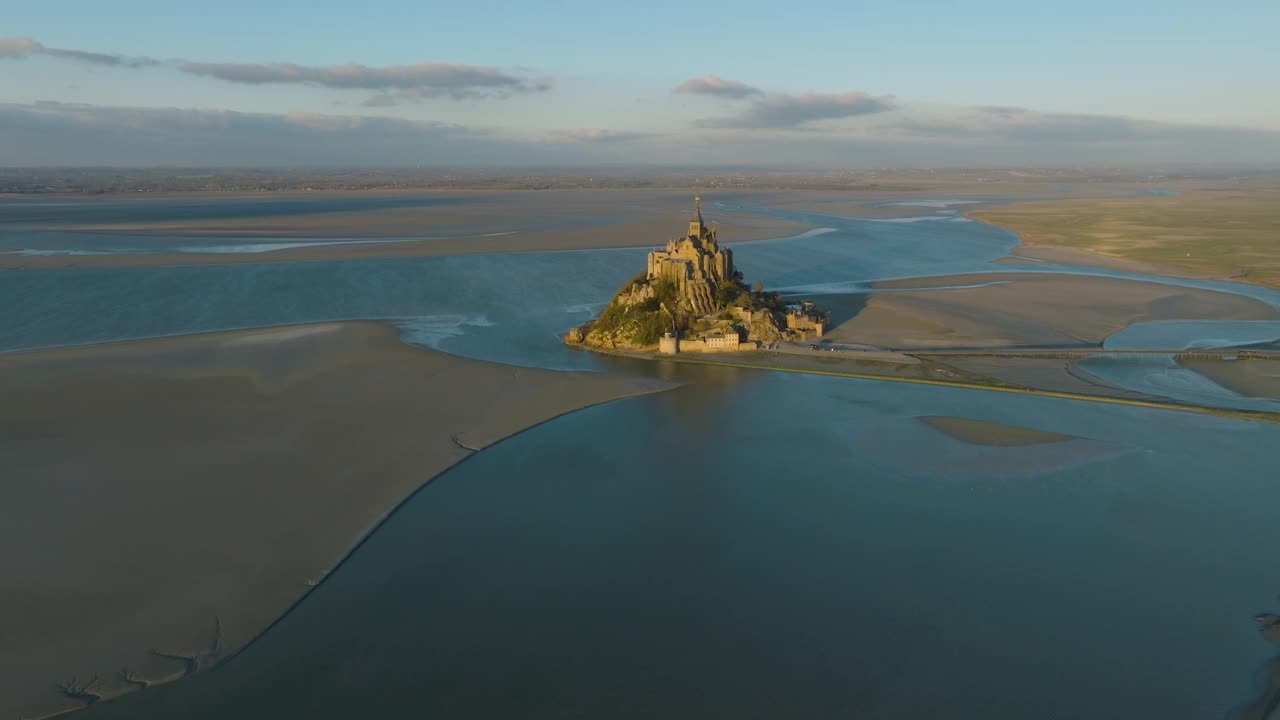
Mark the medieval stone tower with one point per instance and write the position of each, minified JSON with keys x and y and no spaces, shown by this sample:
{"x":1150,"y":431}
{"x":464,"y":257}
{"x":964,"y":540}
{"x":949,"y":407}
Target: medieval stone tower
{"x":695,"y":263}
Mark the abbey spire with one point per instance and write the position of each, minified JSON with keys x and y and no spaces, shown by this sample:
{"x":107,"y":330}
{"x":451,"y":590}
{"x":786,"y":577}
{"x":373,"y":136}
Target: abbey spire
{"x":694,"y":263}
{"x":697,"y":227}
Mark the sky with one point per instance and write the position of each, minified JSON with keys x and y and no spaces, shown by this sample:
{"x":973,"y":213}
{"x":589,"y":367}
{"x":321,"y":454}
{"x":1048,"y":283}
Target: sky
{"x":824,"y":84}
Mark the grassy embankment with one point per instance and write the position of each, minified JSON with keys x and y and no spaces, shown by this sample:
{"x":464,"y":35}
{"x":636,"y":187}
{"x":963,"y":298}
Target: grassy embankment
{"x":1227,"y":233}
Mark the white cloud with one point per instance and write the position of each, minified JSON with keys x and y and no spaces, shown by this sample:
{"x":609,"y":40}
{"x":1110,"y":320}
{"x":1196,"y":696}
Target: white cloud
{"x":716,"y":86}
{"x":790,"y":111}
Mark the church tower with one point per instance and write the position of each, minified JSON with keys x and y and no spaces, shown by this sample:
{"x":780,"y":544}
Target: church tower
{"x":696,"y":225}
{"x":695,"y":263}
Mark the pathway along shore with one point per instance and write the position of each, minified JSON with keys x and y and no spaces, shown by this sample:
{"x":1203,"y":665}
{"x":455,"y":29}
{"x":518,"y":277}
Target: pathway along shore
{"x":759,"y":360}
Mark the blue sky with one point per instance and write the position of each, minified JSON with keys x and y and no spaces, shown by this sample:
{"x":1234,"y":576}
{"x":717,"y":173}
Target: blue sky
{"x":823,"y":83}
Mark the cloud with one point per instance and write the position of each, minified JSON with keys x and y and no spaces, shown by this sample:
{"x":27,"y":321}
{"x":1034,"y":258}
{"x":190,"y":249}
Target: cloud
{"x":419,"y":94}
{"x":397,"y":84}
{"x":1078,"y":128}
{"x":791,"y":111}
{"x":96,"y":58}
{"x":1003,"y":110}
{"x":1022,"y":125}
{"x":716,"y":86}
{"x":18,"y":47}
{"x":383,"y":100}
{"x":56,"y":133}
{"x":888,"y":145}
{"x":52,"y":133}
{"x":21,"y":47}
{"x":598,"y":135}
{"x":410,"y":83}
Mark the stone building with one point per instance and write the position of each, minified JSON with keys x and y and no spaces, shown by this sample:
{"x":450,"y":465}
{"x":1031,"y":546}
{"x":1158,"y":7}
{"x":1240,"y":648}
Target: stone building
{"x":680,"y":294}
{"x":748,"y":315}
{"x":695,"y":263}
{"x":722,"y":342}
{"x":804,"y":321}
{"x":712,"y":343}
{"x":668,"y":344}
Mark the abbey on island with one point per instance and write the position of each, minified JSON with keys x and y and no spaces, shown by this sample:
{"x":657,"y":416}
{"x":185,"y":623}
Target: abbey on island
{"x":695,"y":264}
{"x":691,"y":298}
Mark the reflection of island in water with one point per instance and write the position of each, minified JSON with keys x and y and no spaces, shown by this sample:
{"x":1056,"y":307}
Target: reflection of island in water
{"x":691,"y":299}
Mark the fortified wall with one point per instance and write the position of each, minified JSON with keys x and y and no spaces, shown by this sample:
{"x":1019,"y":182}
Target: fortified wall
{"x":804,"y":321}
{"x":719,"y":342}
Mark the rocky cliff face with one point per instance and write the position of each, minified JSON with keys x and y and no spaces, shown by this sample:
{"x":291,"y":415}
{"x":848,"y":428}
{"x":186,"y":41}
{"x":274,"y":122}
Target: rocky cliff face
{"x":633,"y":319}
{"x":645,"y":308}
{"x":763,"y":327}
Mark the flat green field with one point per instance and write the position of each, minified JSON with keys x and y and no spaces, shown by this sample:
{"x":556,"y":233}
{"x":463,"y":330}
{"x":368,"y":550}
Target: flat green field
{"x":1220,"y":233}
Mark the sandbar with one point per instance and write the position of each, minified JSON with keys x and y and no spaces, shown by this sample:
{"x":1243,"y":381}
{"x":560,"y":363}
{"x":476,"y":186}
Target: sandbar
{"x":465,"y":222}
{"x":1031,"y":254}
{"x":982,"y":432}
{"x":1028,"y":310}
{"x":904,"y":199}
{"x":1044,"y":374}
{"x":1251,"y":377}
{"x":181,"y":494}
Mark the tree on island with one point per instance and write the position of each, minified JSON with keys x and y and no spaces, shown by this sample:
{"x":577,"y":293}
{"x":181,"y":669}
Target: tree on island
{"x":728,"y":293}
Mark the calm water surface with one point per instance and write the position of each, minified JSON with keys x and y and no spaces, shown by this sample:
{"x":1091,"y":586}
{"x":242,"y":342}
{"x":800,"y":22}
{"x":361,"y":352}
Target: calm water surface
{"x":770,"y":545}
{"x":752,"y":545}
{"x":515,"y":302}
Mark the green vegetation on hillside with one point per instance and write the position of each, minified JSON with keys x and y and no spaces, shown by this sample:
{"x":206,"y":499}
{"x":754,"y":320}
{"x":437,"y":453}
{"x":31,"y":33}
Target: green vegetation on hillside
{"x":635,"y":323}
{"x":642,"y":323}
{"x":642,"y":310}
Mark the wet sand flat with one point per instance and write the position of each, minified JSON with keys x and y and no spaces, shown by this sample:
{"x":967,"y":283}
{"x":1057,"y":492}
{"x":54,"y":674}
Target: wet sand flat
{"x":388,"y":214}
{"x":981,"y":432}
{"x":1028,"y":309}
{"x":906,"y":199}
{"x":1043,"y":374}
{"x":181,"y":494}
{"x":1032,"y":254}
{"x":634,"y":234}
{"x":1250,"y":377}
{"x":462,"y":222}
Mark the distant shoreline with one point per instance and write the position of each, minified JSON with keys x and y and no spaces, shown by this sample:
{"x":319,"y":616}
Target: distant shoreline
{"x":1219,"y":233}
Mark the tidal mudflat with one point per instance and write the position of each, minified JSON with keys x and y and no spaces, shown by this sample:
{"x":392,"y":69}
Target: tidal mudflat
{"x":979,"y":432}
{"x":750,"y":542}
{"x":174,"y":497}
{"x":845,"y":559}
{"x":1250,"y":378}
{"x":1030,"y":310}
{"x":115,"y":232}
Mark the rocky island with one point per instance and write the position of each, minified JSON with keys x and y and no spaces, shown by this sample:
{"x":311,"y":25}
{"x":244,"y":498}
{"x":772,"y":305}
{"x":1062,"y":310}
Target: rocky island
{"x":691,"y":298}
